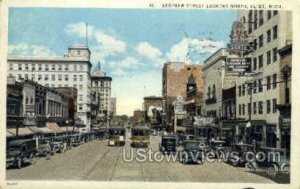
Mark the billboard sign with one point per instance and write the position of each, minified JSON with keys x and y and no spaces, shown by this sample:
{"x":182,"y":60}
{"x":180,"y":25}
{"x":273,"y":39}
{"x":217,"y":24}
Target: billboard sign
{"x":238,"y":65}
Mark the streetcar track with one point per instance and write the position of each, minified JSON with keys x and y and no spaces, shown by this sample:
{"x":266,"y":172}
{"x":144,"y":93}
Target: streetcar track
{"x":96,"y":164}
{"x":115,"y":165}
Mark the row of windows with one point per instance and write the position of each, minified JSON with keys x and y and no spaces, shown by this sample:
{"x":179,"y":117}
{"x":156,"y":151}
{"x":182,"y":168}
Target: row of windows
{"x":47,"y":67}
{"x":258,"y":107}
{"x":257,"y":85}
{"x":100,"y":84}
{"x":261,"y":39}
{"x":271,"y":57}
{"x":59,"y":77}
{"x":256,"y":18}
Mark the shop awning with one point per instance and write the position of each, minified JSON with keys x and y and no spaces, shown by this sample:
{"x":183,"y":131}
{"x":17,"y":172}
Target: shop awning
{"x":54,"y":127}
{"x":41,"y":130}
{"x":9,"y":134}
{"x":22,"y":131}
{"x":179,"y":128}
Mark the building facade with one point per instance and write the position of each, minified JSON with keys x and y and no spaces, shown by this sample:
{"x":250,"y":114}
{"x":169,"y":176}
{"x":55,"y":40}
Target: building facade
{"x":175,"y":77}
{"x":101,"y":86}
{"x":71,"y":70}
{"x":152,"y":107}
{"x":216,"y":80}
{"x":258,"y":93}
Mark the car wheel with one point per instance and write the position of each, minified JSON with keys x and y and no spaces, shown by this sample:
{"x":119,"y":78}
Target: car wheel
{"x":272,"y":170}
{"x":20,"y":163}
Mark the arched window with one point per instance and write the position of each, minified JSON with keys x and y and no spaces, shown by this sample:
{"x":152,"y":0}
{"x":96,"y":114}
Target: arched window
{"x":214,"y":91}
{"x":208,"y":92}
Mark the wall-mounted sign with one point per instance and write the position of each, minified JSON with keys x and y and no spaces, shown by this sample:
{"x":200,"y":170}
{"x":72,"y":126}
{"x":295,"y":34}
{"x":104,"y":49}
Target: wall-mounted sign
{"x":238,"y":65}
{"x":238,"y":39}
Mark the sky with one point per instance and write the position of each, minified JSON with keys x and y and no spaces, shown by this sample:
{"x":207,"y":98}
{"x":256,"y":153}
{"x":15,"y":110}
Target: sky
{"x":131,"y":44}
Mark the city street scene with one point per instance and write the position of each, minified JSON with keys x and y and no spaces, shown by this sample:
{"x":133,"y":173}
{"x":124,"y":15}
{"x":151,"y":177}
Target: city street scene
{"x":149,"y":95}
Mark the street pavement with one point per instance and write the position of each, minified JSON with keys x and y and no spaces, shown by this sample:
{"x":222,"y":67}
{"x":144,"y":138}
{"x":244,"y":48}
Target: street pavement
{"x":95,"y":161}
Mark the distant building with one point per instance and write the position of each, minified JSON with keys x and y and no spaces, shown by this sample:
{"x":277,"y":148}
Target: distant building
{"x":152,"y":107}
{"x":138,"y":116}
{"x":101,"y":86}
{"x":71,"y":70}
{"x":175,"y":77}
{"x":113,"y":106}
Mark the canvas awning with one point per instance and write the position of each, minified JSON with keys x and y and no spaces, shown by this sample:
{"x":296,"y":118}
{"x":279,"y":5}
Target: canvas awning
{"x":9,"y":134}
{"x":54,"y":127}
{"x":41,"y":130}
{"x":22,"y":131}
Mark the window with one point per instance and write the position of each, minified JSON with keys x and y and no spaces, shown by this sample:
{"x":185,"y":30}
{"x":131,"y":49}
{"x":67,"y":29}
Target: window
{"x":274,"y":105}
{"x":66,"y":85}
{"x":255,"y":44}
{"x":254,"y":108}
{"x":53,"y":77}
{"x":261,"y":40}
{"x":214,"y":91}
{"x":260,"y":61}
{"x":19,"y":76}
{"x":66,"y":77}
{"x":268,"y":106}
{"x":260,"y":87}
{"x":59,"y":67}
{"x":80,"y":106}
{"x":250,"y":20}
{"x":59,"y":77}
{"x":269,"y":57}
{"x":275,"y":12}
{"x":249,"y":88}
{"x":26,"y":67}
{"x":260,"y":107}
{"x":74,"y":77}
{"x":269,"y":14}
{"x":240,"y":90}
{"x":274,"y":54}
{"x":40,"y":67}
{"x":80,"y":86}
{"x":268,"y":82}
{"x":75,"y":67}
{"x":274,"y":81}
{"x":249,"y":108}
{"x":59,"y":85}
{"x":254,"y":86}
{"x":39,"y":77}
{"x":66,"y":67}
{"x":53,"y":67}
{"x":261,"y":18}
{"x":243,"y":90}
{"x":47,"y":85}
{"x":255,"y":19}
{"x":46,"y":77}
{"x":46,"y":67}
{"x":269,"y":36}
{"x":26,"y":76}
{"x":81,"y":67}
{"x":32,"y":77}
{"x":11,"y":66}
{"x":275,"y":32}
{"x":52,"y":85}
{"x":80,"y":77}
{"x":240,"y":109}
{"x":80,"y":97}
{"x":32,"y":67}
{"x":243,"y":109}
{"x":75,"y":86}
{"x":254,"y":63}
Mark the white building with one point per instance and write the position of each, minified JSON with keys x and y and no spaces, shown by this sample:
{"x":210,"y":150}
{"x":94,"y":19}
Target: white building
{"x":101,"y":85}
{"x":71,"y":70}
{"x":258,"y":93}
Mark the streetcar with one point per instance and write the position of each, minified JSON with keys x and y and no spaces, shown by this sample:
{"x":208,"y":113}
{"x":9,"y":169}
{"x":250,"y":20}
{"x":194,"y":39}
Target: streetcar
{"x":116,"y":136}
{"x":140,"y":136}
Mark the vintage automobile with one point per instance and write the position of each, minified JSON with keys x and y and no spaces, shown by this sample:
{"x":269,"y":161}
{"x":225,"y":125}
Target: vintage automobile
{"x":58,"y":145}
{"x":140,"y":136}
{"x":168,"y":143}
{"x":238,"y":153}
{"x":20,"y":152}
{"x":217,"y":148}
{"x":272,"y":160}
{"x":116,"y":136}
{"x":191,"y":152}
{"x":77,"y":140}
{"x":44,"y":147}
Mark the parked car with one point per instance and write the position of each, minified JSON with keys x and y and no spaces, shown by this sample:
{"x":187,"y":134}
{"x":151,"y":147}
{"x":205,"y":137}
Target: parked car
{"x":217,"y":148}
{"x":191,"y":152}
{"x":77,"y":140}
{"x":58,"y":145}
{"x":44,"y":147}
{"x":168,"y":143}
{"x":20,"y":152}
{"x":272,"y":160}
{"x":240,"y":152}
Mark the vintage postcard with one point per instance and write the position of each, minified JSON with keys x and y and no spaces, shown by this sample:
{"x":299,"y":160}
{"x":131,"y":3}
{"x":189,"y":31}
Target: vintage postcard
{"x":130,"y":94}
